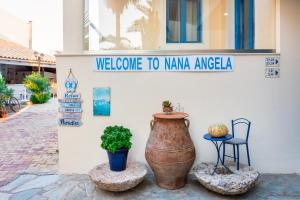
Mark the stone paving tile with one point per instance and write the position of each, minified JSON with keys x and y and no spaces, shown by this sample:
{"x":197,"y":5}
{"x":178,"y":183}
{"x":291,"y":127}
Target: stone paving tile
{"x":28,"y":141}
{"x":4,"y":196}
{"x":24,"y":195}
{"x":19,"y":181}
{"x":41,"y":181}
{"x":73,"y":187}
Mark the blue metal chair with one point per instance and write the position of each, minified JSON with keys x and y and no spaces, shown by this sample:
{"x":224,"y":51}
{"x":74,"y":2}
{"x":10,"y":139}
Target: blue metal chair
{"x":236,"y":142}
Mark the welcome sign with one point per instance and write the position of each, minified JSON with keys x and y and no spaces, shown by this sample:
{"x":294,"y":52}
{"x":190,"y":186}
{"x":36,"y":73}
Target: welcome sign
{"x":70,"y":105}
{"x":190,"y":63}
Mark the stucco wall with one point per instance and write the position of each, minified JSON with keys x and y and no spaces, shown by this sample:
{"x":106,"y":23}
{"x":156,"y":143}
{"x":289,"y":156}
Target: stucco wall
{"x":14,"y":29}
{"x":271,"y":104}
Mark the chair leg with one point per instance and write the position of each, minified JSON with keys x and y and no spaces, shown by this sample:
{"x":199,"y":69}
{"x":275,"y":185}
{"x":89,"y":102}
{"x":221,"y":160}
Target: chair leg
{"x":248,"y":154}
{"x":238,"y":157}
{"x":234,"y":158}
{"x":223,"y":153}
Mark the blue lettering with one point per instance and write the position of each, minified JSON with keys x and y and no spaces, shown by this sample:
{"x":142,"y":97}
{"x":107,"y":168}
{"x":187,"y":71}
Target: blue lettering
{"x":139,"y":63}
{"x":167,"y":63}
{"x":174,"y":65}
{"x":132,"y":63}
{"x":113,"y":68}
{"x":204,"y":63}
{"x":108,"y":63}
{"x":180,"y":63}
{"x":125,"y":61}
{"x":155,"y":63}
{"x":187,"y":64}
{"x":217,"y":63}
{"x":118,"y":63}
{"x":100,"y":63}
{"x":211,"y":63}
{"x":149,"y":62}
{"x":228,"y":65}
{"x":223,"y":65}
{"x":197,"y":65}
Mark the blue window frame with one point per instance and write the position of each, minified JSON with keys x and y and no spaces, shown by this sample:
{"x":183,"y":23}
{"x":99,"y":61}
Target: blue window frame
{"x":179,"y":21}
{"x":244,"y":24}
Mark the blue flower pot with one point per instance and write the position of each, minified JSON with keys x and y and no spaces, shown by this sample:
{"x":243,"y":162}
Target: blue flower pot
{"x":118,"y":160}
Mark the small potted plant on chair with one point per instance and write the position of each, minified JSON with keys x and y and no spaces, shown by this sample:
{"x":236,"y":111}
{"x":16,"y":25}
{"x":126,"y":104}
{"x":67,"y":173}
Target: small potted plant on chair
{"x":117,"y":142}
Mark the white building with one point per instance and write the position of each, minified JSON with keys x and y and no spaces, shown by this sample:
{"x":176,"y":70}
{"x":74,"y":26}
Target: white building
{"x":15,"y":29}
{"x":17,"y":58}
{"x":250,"y":34}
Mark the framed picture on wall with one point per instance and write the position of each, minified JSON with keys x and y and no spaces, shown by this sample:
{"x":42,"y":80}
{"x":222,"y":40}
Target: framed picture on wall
{"x":101,"y":101}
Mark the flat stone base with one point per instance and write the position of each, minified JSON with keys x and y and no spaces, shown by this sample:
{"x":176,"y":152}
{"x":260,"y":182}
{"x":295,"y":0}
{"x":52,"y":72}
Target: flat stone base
{"x":109,"y":180}
{"x":224,"y":183}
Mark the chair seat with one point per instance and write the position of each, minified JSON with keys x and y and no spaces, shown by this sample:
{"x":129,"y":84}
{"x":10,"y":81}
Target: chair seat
{"x":236,"y":141}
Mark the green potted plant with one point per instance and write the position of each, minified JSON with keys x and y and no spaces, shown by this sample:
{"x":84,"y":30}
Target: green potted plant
{"x":167,"y":107}
{"x":117,"y":142}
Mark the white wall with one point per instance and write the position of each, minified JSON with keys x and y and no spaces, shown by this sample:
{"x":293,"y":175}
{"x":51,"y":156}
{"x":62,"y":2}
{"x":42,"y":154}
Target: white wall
{"x":14,"y":29}
{"x":271,"y":104}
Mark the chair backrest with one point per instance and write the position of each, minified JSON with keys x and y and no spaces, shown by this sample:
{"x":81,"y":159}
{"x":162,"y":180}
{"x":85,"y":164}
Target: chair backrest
{"x":244,"y":121}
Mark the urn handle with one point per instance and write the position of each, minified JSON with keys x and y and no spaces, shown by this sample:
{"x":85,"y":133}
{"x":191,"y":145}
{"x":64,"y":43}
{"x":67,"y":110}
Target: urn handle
{"x":187,"y":123}
{"x":151,"y":124}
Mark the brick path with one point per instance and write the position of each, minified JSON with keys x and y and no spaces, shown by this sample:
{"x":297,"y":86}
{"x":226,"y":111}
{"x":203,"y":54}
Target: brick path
{"x":28,"y":141}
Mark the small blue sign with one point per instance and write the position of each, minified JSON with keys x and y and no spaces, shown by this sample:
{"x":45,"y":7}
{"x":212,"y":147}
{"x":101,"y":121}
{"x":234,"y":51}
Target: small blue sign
{"x":69,"y":122}
{"x":71,"y":105}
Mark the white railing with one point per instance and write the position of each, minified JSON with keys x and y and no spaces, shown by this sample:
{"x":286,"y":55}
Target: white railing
{"x":20,"y":92}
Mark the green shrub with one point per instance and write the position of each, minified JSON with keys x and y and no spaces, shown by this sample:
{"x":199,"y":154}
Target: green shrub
{"x":5,"y":92}
{"x":39,"y":98}
{"x":4,"y":89}
{"x":39,"y":86}
{"x":115,"y":138}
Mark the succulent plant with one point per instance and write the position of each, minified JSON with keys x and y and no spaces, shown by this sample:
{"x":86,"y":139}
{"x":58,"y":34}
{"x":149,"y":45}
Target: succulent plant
{"x":166,"y":104}
{"x":167,"y":107}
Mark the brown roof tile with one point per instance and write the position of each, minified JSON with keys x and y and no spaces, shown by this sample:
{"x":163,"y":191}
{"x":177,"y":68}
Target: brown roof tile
{"x":11,"y":50}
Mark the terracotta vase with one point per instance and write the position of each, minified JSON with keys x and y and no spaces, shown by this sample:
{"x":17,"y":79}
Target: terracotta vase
{"x":170,"y":151}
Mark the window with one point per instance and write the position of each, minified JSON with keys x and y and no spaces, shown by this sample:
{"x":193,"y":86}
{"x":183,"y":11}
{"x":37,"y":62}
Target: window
{"x":184,"y":21}
{"x":154,"y":25}
{"x":244,"y":24}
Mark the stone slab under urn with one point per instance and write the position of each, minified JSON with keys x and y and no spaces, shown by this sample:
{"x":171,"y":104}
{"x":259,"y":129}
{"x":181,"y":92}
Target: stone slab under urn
{"x":239,"y":182}
{"x":106,"y":179}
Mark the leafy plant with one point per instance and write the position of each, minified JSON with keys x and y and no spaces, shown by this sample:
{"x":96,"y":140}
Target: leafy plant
{"x":115,"y":138}
{"x":39,"y":86}
{"x":5,"y":92}
{"x":3,"y":99}
{"x":166,"y":104}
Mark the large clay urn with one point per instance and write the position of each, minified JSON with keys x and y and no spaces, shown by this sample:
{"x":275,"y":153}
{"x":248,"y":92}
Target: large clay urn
{"x":170,"y":151}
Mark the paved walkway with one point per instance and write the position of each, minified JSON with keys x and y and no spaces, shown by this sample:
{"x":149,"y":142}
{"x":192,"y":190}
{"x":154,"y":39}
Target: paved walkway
{"x":80,"y":187}
{"x":28,"y":141}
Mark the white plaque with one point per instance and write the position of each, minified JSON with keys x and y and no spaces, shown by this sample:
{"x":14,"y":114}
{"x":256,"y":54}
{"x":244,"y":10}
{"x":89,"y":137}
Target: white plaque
{"x":272,"y":62}
{"x":272,"y":72}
